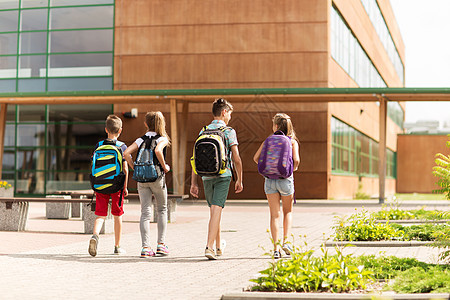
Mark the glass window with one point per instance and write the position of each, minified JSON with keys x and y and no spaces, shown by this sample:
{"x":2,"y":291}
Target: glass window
{"x":69,"y":159}
{"x":8,"y":66}
{"x":31,"y":113}
{"x":31,"y":85}
{"x":80,"y":84}
{"x":32,"y":66}
{"x":8,"y":43}
{"x":30,"y":135}
{"x":9,"y":4}
{"x":89,"y":64}
{"x":30,"y":182}
{"x":33,"y":42}
{"x":34,"y":3}
{"x":30,"y":159}
{"x":9,"y":20}
{"x":11,"y":113}
{"x":10,"y":134}
{"x":82,"y":17}
{"x":78,"y":134}
{"x":7,"y":86}
{"x":81,"y":41}
{"x":9,"y":157}
{"x":34,"y":19}
{"x":80,"y":113}
{"x":79,"y":2}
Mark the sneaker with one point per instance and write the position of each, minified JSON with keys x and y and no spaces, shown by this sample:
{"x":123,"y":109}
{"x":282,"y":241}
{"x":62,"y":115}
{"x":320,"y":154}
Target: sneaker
{"x":287,"y":249}
{"x":219,"y":251}
{"x":93,"y":242}
{"x":162,"y":249}
{"x":209,"y":253}
{"x":118,"y":250}
{"x":147,"y":252}
{"x":276,"y":254}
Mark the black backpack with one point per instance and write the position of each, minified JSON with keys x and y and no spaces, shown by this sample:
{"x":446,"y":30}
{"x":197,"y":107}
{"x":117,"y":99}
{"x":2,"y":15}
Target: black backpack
{"x":146,"y":166}
{"x":210,"y":157}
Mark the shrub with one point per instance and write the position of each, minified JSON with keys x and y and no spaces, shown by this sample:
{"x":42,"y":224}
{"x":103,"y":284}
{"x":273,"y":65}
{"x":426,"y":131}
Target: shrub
{"x":362,"y":227}
{"x":304,"y":272}
{"x":417,"y":280}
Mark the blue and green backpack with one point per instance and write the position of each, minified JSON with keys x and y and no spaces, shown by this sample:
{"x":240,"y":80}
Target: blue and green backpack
{"x":107,"y":175}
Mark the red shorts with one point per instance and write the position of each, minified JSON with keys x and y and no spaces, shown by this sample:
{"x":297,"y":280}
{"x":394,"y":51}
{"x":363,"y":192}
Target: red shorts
{"x":102,"y":200}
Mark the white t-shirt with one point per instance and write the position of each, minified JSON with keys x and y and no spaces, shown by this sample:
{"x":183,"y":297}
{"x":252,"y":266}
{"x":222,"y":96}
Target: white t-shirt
{"x":139,"y":141}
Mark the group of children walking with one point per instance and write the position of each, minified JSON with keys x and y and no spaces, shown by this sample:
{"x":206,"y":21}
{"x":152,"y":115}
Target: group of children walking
{"x":276,"y":163}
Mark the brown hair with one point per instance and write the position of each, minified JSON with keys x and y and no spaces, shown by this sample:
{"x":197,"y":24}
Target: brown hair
{"x":113,"y":124}
{"x":284,"y":123}
{"x":219,"y":105}
{"x":156,"y":122}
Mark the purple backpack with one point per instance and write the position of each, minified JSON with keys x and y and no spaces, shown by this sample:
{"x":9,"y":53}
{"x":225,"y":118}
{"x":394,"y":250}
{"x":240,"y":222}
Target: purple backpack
{"x":275,"y":161}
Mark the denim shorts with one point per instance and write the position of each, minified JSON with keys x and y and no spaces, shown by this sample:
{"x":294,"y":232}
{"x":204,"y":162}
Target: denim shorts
{"x":284,"y":187}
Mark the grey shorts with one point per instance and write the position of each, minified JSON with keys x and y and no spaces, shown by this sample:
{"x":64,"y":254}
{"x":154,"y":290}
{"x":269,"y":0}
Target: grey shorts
{"x":284,"y":187}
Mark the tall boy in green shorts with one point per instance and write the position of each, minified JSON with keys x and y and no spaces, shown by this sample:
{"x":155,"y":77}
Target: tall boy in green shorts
{"x":216,"y":187}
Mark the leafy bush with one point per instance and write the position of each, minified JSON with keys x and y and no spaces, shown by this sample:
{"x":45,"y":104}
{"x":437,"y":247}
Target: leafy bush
{"x":423,"y":232}
{"x":390,"y":266}
{"x":418,"y":280}
{"x":304,"y":272}
{"x":394,"y":212}
{"x":363,"y":227}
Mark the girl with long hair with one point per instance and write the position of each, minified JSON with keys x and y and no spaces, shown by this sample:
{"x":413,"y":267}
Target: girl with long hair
{"x":155,"y":124}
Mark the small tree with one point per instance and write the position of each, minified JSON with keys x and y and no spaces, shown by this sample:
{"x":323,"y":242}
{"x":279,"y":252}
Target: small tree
{"x":442,"y":171}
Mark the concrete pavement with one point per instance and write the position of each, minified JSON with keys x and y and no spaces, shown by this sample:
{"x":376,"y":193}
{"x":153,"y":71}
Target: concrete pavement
{"x":51,"y":259}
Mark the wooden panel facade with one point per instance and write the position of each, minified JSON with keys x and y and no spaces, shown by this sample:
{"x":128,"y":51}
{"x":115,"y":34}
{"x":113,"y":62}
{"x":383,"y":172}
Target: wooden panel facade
{"x":415,"y":162}
{"x":194,"y":44}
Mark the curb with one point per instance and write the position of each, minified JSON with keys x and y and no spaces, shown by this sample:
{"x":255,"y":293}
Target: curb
{"x":380,"y":244}
{"x":323,"y":296}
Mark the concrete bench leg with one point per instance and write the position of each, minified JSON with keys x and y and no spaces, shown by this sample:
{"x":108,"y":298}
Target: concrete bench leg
{"x":89,"y":220}
{"x":13,"y":216}
{"x":76,"y":210}
{"x":58,"y":210}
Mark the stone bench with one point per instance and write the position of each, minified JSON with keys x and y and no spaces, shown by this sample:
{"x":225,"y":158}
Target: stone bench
{"x":14,"y":210}
{"x":172,"y":201}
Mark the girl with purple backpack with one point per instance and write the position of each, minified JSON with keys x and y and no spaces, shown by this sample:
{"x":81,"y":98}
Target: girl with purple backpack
{"x":277,"y":158}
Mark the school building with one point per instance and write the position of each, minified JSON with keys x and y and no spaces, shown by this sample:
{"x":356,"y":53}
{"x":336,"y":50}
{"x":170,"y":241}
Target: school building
{"x":66,"y":64}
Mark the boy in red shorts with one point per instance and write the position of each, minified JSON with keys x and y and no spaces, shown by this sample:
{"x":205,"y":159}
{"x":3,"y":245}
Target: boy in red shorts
{"x":113,"y":129}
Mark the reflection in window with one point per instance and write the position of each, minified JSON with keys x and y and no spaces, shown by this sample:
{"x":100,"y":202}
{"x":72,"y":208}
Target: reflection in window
{"x":34,"y":3}
{"x":79,"y":113}
{"x":33,"y":42}
{"x":8,"y":43}
{"x":81,"y":41}
{"x":93,"y":17}
{"x":359,"y":156}
{"x":30,"y":135}
{"x":79,"y":2}
{"x":9,"y":4}
{"x":80,"y":84}
{"x":7,"y":86}
{"x":31,"y":113}
{"x":8,"y":66}
{"x":9,"y":20}
{"x":32,"y":66}
{"x":89,"y":64}
{"x":68,"y":134}
{"x":34,"y":19}
{"x":31,"y":85}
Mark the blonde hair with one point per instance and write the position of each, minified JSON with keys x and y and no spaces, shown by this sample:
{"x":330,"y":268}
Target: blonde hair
{"x":284,"y":123}
{"x":113,"y":124}
{"x":156,"y":122}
